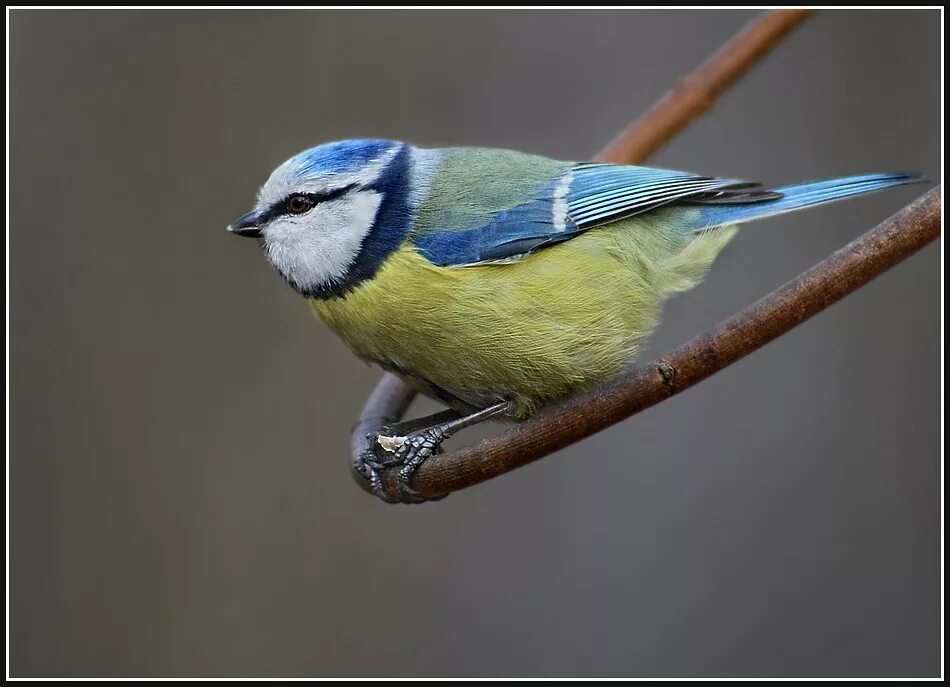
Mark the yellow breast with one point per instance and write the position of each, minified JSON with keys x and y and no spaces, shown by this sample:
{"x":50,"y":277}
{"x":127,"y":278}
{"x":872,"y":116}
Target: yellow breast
{"x":532,"y":331}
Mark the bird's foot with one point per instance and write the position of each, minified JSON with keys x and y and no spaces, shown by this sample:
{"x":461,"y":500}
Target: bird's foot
{"x":406,"y":453}
{"x":389,"y":449}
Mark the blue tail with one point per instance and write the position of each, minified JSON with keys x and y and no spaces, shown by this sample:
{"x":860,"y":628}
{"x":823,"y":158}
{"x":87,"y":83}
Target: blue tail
{"x":798,"y":196}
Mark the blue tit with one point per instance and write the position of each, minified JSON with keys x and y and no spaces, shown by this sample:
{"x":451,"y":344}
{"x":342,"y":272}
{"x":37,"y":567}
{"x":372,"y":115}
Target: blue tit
{"x":495,"y":281}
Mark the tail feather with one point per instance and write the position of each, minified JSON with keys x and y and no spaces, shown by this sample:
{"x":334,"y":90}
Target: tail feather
{"x":798,"y":196}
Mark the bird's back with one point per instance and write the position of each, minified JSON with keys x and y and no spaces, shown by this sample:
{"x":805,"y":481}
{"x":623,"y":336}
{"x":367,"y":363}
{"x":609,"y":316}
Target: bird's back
{"x":471,"y":185}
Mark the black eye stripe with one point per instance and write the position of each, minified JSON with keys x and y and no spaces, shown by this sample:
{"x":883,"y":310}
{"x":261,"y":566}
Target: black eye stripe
{"x":317,"y":198}
{"x":283,"y":207}
{"x":329,"y":195}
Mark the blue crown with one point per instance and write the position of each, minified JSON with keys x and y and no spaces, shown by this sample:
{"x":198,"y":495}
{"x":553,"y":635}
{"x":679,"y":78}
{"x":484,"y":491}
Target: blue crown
{"x":339,"y":156}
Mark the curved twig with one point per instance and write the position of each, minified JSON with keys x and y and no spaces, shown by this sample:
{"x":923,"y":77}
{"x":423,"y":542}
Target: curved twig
{"x":587,"y":414}
{"x":697,"y":93}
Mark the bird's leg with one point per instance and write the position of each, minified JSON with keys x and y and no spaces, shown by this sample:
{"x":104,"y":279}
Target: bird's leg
{"x":422,"y":439}
{"x":401,"y":429}
{"x":371,"y":463}
{"x":383,"y":444}
{"x":422,"y":444}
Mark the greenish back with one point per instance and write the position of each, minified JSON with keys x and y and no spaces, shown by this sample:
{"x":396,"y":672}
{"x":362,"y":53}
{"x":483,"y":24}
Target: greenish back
{"x":471,"y":185}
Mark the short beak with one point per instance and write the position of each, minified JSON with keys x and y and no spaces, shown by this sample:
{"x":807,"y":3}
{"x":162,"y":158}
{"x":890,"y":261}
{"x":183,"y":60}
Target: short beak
{"x":247,"y":225}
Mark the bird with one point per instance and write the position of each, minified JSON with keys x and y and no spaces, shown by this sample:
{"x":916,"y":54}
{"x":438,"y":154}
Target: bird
{"x":494,"y":281}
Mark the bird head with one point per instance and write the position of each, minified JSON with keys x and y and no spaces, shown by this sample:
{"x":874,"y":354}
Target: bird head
{"x":315,"y":213}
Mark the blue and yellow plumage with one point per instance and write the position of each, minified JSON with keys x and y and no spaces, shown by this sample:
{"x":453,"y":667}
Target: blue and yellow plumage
{"x":488,"y":277}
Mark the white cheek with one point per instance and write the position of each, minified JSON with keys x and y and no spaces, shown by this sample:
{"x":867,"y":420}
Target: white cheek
{"x":317,"y":248}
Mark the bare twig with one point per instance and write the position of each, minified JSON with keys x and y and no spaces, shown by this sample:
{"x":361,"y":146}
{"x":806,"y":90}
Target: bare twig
{"x":649,"y":384}
{"x":697,"y":93}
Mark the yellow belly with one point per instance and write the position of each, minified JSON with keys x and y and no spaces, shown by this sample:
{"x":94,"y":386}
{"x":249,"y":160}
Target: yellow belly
{"x":532,"y":331}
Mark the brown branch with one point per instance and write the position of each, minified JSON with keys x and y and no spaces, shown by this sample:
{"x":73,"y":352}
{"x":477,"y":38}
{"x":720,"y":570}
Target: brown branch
{"x":582,"y":416}
{"x":697,"y":93}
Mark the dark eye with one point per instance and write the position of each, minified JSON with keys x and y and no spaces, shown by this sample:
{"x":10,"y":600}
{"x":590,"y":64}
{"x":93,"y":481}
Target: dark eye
{"x":299,"y":204}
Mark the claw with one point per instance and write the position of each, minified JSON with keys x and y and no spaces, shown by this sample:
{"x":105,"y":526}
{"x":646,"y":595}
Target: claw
{"x":416,"y":450}
{"x":368,"y":468}
{"x":376,"y":484}
{"x":409,"y":454}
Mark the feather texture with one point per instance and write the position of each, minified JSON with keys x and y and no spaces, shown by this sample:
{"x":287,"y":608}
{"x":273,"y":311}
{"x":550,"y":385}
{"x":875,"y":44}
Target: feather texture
{"x":798,"y":197}
{"x":487,"y":206}
{"x":554,"y":323}
{"x":602,"y":193}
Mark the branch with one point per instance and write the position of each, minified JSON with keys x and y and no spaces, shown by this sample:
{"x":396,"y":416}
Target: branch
{"x":582,"y":416}
{"x":697,"y":93}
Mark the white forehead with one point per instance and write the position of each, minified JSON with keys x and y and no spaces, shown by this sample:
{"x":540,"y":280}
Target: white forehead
{"x":295,"y":176}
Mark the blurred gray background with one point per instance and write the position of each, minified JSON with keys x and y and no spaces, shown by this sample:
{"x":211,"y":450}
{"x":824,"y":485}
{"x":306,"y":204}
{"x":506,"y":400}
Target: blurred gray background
{"x":180,"y":497}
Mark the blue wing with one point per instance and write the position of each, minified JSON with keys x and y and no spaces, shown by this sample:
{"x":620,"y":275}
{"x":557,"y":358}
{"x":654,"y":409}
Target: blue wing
{"x":585,"y":196}
{"x":600,"y":193}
